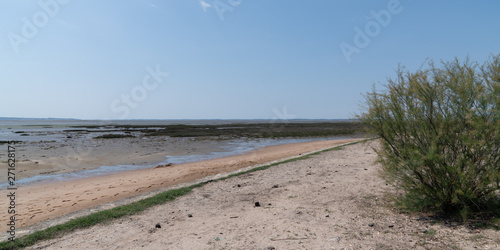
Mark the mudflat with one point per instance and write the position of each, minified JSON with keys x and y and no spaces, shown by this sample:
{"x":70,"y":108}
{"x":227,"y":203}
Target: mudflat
{"x":42,"y":158}
{"x":58,"y":148}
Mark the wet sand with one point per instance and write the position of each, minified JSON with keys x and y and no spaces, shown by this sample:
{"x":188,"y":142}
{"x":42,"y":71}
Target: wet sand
{"x":42,"y":158}
{"x":40,"y":202}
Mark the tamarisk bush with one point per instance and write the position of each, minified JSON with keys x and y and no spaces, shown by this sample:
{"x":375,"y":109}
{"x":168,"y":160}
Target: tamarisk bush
{"x":440,"y":134}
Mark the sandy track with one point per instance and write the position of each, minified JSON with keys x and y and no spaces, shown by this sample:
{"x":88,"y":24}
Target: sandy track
{"x":330,"y":201}
{"x":41,"y":202}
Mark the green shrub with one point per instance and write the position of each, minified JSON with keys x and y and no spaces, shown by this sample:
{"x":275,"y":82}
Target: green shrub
{"x":440,"y":134}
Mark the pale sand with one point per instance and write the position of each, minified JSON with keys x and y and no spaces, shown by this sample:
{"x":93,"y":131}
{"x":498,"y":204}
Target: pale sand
{"x":334,"y":200}
{"x":41,"y":202}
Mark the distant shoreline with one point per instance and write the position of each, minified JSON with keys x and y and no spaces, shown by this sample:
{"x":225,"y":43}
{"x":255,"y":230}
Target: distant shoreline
{"x":125,"y":120}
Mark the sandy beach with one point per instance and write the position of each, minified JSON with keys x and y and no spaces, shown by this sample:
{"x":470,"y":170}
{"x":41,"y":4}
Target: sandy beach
{"x":334,"y":200}
{"x":40,"y":202}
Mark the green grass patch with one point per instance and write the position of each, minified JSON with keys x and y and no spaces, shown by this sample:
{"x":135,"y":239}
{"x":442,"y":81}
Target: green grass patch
{"x":431,"y":232}
{"x":107,"y":216}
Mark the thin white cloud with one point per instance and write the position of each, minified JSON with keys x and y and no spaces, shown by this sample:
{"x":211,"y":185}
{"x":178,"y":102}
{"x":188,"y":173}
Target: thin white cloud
{"x":153,"y":5}
{"x":205,"y":5}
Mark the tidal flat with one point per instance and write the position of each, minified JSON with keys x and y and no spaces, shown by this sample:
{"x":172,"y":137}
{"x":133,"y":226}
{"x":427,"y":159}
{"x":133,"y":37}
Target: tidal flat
{"x":57,"y":150}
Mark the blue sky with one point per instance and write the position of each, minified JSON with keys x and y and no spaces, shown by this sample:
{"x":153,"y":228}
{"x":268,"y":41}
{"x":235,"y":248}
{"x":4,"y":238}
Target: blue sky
{"x":223,"y":59}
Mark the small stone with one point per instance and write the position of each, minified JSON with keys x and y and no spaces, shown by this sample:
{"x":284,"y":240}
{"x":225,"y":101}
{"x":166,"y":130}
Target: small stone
{"x":238,"y":185}
{"x":275,"y":186}
{"x":271,"y":248}
{"x":327,"y":216}
{"x":257,"y":204}
{"x":190,"y":215}
{"x":391,"y":226}
{"x":371,"y":224}
{"x":157,"y":225}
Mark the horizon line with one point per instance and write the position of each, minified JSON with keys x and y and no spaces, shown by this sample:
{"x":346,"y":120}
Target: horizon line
{"x":162,"y":119}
